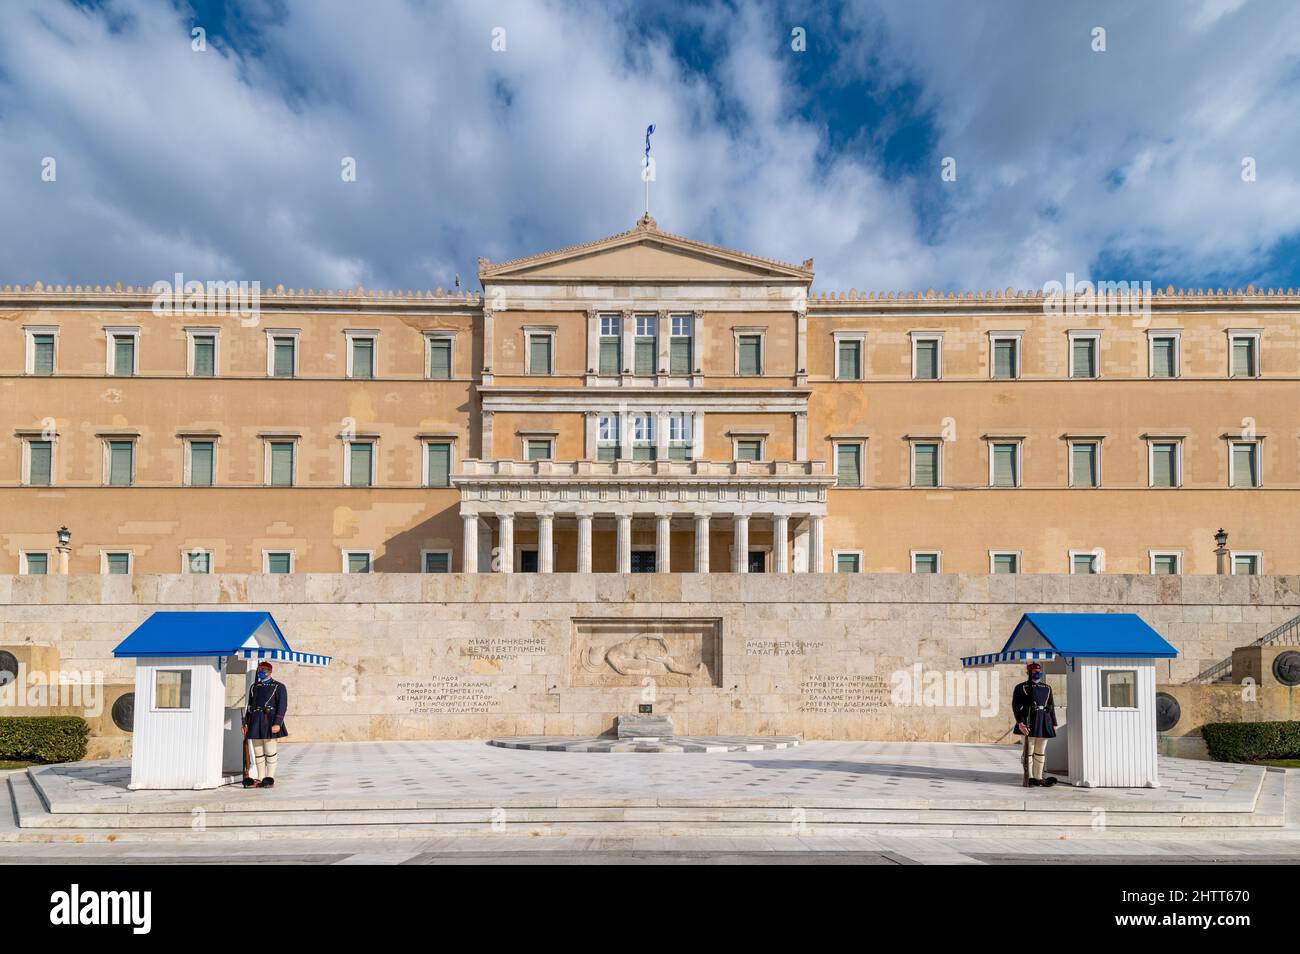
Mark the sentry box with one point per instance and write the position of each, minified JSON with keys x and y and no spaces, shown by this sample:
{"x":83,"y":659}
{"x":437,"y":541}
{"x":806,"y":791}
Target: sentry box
{"x":192,"y":675}
{"x":1109,"y":662}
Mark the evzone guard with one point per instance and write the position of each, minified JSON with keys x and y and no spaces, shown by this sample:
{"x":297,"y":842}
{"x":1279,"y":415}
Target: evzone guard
{"x":268,"y":701}
{"x":1035,"y":714}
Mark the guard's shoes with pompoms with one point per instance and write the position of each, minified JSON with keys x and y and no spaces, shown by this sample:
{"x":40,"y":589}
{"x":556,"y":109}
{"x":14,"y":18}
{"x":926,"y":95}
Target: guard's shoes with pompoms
{"x":1035,"y":783}
{"x":1050,"y":781}
{"x":250,"y":783}
{"x":268,"y":783}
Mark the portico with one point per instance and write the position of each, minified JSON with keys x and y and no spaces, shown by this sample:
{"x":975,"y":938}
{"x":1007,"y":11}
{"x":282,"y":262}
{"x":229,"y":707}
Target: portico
{"x":643,"y":516}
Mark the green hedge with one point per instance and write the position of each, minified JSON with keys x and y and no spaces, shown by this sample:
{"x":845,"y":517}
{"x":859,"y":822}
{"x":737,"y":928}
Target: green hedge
{"x":1252,"y":741}
{"x":43,"y":738}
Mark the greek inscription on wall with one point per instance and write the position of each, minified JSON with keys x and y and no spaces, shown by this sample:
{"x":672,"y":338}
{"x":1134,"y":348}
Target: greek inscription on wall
{"x":505,"y":647}
{"x":781,"y":647}
{"x":447,"y":694}
{"x":841,"y":692}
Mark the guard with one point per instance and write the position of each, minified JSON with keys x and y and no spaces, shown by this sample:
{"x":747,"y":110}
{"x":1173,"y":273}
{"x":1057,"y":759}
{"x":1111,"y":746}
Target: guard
{"x":268,"y":701}
{"x":1035,"y":714}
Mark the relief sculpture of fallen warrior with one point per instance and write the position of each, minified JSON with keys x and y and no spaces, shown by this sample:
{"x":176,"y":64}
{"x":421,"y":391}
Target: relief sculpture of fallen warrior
{"x":636,"y":657}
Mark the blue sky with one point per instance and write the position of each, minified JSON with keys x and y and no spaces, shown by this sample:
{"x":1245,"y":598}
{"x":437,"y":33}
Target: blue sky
{"x":1124,"y":162}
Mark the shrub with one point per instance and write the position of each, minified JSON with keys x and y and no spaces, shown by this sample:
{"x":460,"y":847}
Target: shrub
{"x":43,"y":738}
{"x":1252,"y":741}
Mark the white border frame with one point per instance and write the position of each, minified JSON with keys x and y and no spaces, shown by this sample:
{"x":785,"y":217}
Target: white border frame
{"x":537,"y":331}
{"x":1152,"y":335}
{"x":1151,"y":462}
{"x":24,"y":569}
{"x":1019,"y":475}
{"x":353,"y":335}
{"x":1101,"y":689}
{"x":199,"y":331}
{"x":347,"y":462}
{"x":1258,"y":335}
{"x":424,"y":461}
{"x":1095,"y":337}
{"x":938,"y":560}
{"x":1099,"y":561}
{"x":187,"y":464}
{"x":1258,"y":444}
{"x":1096,"y":442}
{"x":937,"y":337}
{"x":938,"y":463}
{"x":547,"y":439}
{"x":271,"y":335}
{"x":835,"y":559}
{"x":438,"y":334}
{"x":267,"y":441}
{"x":29,"y":360}
{"x":856,"y":337}
{"x":25,"y":475}
{"x":1258,"y":556}
{"x":1020,"y":561}
{"x":113,"y":332}
{"x":153,"y":685}
{"x":745,"y":331}
{"x":266,"y":560}
{"x":370,"y":562}
{"x":187,"y":552}
{"x":103,"y":561}
{"x":994,"y":338}
{"x":1151,"y":561}
{"x":109,"y":440}
{"x":861,"y":444}
{"x":451,"y":568}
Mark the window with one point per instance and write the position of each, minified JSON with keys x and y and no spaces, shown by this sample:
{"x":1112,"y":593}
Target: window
{"x":848,"y":464}
{"x":437,"y":456}
{"x":927,"y":356}
{"x":278,"y":561}
{"x":1166,"y":564}
{"x":539,"y":448}
{"x":927,"y":464}
{"x":680,"y":350}
{"x":1006,"y":356}
{"x":1163,"y":356}
{"x":35,"y":564}
{"x":40,"y":463}
{"x":203,"y":352}
{"x":539,"y":352}
{"x":1244,"y":461}
{"x":40,"y":349}
{"x":643,"y":437}
{"x":1084,"y":351}
{"x":1119,"y":688}
{"x":848,"y":357}
{"x":1004,"y":561}
{"x":282,"y":357}
{"x":280,"y":463}
{"x":440,"y":350}
{"x":1084,"y":562}
{"x":646,"y":345}
{"x":749,"y":448}
{"x":1004,"y":464}
{"x":171,"y":689}
{"x":848,"y":561}
{"x":1246,"y":564}
{"x":360,"y":462}
{"x":749,"y":354}
{"x":116,"y":563}
{"x":122,"y":352}
{"x":201,"y":463}
{"x":356,"y":561}
{"x":611,"y":344}
{"x":607,"y":438}
{"x":681,"y":439}
{"x":1165,"y":463}
{"x":1244,"y":358}
{"x":643,"y":561}
{"x":1085,"y":464}
{"x":196,"y":561}
{"x":121,"y":463}
{"x":361,"y":353}
{"x":528,"y":561}
{"x":925,"y":561}
{"x":436,"y":561}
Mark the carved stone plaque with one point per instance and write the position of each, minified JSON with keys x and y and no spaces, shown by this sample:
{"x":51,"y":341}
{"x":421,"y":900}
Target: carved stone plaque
{"x":626,"y":652}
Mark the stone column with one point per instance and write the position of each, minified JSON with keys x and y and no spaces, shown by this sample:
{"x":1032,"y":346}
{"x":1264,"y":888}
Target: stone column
{"x":469,"y":544}
{"x":780,"y":543}
{"x":593,"y":341}
{"x":815,"y":562}
{"x":505,"y":543}
{"x":740,"y":547}
{"x":701,"y":543}
{"x":584,"y":543}
{"x":628,"y":344}
{"x":488,"y":346}
{"x":624,"y":542}
{"x":663,"y":542}
{"x":545,"y":546}
{"x":592,"y":435}
{"x":801,"y":436}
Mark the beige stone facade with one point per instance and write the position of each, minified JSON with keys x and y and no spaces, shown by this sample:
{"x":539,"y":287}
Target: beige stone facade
{"x":647,"y":402}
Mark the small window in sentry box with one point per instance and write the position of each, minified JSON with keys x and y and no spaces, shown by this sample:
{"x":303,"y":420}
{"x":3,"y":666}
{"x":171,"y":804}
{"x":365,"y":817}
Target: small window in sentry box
{"x":1119,"y":689}
{"x":171,"y":689}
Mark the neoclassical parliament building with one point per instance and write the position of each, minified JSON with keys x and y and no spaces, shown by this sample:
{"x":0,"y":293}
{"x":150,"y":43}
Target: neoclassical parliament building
{"x":649,"y":403}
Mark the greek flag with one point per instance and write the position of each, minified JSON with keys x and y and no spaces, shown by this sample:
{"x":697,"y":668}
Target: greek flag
{"x":648,"y":131}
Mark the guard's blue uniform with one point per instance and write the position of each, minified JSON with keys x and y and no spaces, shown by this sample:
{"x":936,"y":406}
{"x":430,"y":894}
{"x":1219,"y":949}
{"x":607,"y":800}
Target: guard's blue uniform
{"x":1031,"y":704}
{"x":267,"y":703}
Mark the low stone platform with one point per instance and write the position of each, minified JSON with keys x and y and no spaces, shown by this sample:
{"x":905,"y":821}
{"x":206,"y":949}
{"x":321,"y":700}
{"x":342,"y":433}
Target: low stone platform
{"x":428,"y":789}
{"x":680,"y":743}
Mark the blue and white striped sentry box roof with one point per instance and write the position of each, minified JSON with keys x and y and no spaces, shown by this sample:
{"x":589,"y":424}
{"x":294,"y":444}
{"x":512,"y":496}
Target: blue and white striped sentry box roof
{"x":286,"y":655}
{"x":1011,"y":656}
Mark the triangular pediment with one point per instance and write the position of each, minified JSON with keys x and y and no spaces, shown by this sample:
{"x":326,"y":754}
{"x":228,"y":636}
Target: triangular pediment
{"x":644,"y":254}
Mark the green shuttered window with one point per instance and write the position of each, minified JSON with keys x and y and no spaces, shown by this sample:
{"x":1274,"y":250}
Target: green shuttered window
{"x":1083,"y":465}
{"x":282,"y":464}
{"x":279,"y":562}
{"x":1004,"y":357}
{"x":38,"y":564}
{"x":1164,"y":357}
{"x":848,"y":465}
{"x":358,"y":562}
{"x":1244,"y":363}
{"x":437,"y":563}
{"x":40,"y":460}
{"x":679,"y":355}
{"x":847,"y":562}
{"x":42,"y":354}
{"x":121,"y":456}
{"x":361,"y":456}
{"x":1006,"y":470}
{"x":925,"y":465}
{"x":849,"y":363}
{"x":1245,"y":465}
{"x":439,"y":464}
{"x":117,"y":563}
{"x":925,"y":563}
{"x":1164,"y":564}
{"x":205,"y":356}
{"x":539,"y":354}
{"x":440,"y":358}
{"x":749,"y":449}
{"x":123,"y":355}
{"x":927,"y":359}
{"x":283,"y":361}
{"x":646,"y":349}
{"x":610,"y":355}
{"x":201,"y":457}
{"x":751,"y":354}
{"x":1083,"y":353}
{"x":1083,"y":563}
{"x":1006,"y":563}
{"x":1164,"y":465}
{"x":363,"y":357}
